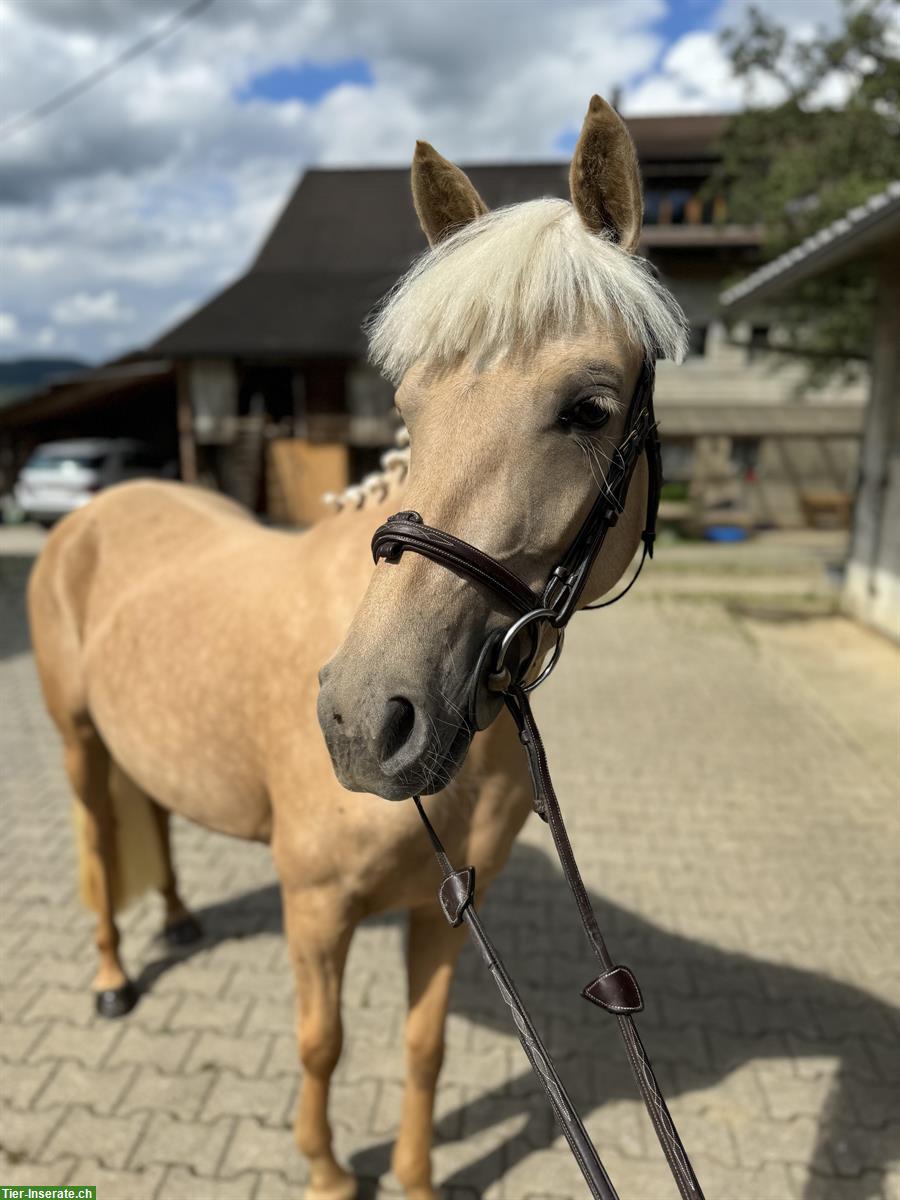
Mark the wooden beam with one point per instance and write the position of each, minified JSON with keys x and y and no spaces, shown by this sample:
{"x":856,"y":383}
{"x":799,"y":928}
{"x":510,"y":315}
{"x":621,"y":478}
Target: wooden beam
{"x":187,"y":445}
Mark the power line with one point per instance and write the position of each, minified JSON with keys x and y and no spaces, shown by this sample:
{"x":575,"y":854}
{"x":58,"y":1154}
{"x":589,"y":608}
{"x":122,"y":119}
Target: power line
{"x":25,"y":120}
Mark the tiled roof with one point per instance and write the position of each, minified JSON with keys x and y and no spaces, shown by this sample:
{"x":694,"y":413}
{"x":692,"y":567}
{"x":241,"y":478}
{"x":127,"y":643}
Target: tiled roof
{"x":858,"y":231}
{"x":345,"y":236}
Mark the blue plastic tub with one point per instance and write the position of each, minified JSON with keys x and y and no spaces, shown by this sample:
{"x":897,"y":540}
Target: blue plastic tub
{"x":725,"y":533}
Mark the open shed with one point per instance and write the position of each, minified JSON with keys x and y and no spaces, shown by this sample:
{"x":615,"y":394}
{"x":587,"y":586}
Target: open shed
{"x":869,"y":233}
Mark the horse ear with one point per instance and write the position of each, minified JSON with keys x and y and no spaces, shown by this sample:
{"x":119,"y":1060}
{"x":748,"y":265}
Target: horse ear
{"x":605,"y":179}
{"x":443,"y":194}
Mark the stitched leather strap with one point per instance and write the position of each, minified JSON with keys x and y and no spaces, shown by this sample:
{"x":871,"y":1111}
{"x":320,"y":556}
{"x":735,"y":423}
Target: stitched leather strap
{"x":617,"y":991}
{"x":562,"y":592}
{"x":459,"y":886}
{"x":407,"y":531}
{"x":616,"y":988}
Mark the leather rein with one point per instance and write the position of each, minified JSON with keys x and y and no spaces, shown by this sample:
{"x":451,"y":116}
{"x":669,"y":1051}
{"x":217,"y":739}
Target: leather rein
{"x":615,"y":988}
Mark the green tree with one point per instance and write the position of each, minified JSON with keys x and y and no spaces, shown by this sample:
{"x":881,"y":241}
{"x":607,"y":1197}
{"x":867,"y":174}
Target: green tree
{"x":831,"y":142}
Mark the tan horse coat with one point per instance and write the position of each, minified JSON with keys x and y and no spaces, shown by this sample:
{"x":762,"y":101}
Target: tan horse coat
{"x":178,"y":645}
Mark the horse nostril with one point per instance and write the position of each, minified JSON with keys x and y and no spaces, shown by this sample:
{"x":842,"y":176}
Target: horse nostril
{"x":400,"y":717}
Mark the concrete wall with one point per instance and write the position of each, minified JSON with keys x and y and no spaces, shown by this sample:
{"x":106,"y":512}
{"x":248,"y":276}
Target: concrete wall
{"x":729,"y":379}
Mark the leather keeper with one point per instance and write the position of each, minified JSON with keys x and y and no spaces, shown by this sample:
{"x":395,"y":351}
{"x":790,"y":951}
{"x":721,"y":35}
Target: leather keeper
{"x":455,"y":893}
{"x":617,"y":991}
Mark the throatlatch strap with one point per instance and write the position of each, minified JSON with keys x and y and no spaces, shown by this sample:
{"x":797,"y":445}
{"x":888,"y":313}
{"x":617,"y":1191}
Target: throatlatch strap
{"x":457,"y":896}
{"x":616,"y":989}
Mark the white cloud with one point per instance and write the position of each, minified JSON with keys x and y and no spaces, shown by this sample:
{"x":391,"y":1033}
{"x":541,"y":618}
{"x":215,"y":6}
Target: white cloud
{"x":148,"y":192}
{"x":46,"y":337}
{"x":157,"y":185}
{"x":83,"y":308}
{"x":9,"y":326}
{"x":696,"y":76}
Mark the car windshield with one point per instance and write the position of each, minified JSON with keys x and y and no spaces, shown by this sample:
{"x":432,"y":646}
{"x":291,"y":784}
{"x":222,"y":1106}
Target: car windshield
{"x":48,"y":460}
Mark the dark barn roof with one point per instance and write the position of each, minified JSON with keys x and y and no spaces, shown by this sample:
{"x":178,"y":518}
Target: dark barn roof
{"x":92,"y":387}
{"x":345,"y":236}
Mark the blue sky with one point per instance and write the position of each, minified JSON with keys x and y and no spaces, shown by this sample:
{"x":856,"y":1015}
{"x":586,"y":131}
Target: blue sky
{"x":686,"y":15}
{"x":308,"y":81}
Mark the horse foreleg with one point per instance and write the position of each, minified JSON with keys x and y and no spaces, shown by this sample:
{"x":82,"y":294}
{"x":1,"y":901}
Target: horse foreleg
{"x":432,"y":952}
{"x":180,"y":926}
{"x":87,"y":765}
{"x":319,"y":930}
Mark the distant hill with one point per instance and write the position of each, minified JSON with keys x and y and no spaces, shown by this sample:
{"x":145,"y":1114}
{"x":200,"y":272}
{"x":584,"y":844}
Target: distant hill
{"x":19,"y":376}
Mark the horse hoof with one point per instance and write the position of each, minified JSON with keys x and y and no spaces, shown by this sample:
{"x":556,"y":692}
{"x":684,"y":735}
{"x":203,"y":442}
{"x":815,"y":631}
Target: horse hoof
{"x":116,"y":1002}
{"x":343,"y":1188}
{"x":183,"y":932}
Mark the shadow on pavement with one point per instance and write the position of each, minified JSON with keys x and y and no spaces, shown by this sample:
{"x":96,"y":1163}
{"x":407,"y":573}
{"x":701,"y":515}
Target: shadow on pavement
{"x":709,"y":1012}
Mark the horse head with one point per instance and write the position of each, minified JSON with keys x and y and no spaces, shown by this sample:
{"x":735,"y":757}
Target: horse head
{"x":516,"y":344}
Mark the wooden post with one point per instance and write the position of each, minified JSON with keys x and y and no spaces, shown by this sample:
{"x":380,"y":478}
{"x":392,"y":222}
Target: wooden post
{"x":187,"y":446}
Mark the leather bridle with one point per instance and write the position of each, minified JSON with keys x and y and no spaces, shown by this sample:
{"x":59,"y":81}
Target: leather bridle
{"x":615,"y":988}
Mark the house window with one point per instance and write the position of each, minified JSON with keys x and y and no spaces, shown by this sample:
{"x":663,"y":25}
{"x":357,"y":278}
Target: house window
{"x":368,"y":393}
{"x":677,"y":459}
{"x":697,"y":340}
{"x":759,"y":341}
{"x":745,"y":456}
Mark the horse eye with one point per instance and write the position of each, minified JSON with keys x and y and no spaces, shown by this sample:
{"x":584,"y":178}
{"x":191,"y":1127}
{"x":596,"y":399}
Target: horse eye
{"x":590,"y":413}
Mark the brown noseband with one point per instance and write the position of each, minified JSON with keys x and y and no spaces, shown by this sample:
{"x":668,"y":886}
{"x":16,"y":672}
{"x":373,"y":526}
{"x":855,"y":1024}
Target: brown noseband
{"x":406,"y":531}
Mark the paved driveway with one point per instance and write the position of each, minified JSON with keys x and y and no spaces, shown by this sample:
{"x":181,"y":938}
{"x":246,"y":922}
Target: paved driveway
{"x":732,"y":793}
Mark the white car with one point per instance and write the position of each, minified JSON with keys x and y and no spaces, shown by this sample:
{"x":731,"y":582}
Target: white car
{"x":62,"y":476}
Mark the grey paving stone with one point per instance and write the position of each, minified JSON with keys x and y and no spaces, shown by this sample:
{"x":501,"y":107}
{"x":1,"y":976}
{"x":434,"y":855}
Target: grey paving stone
{"x":271,"y":1016}
{"x":24,"y":1134}
{"x":245,"y":1055}
{"x":191,"y":978}
{"x":21,"y":1172}
{"x":17,"y":1000}
{"x":167,"y":1139}
{"x":76,"y":1006}
{"x":164,"y":1050}
{"x":265,"y":984}
{"x":19,"y":1041}
{"x":119,"y":1185}
{"x":283,"y":1057}
{"x":273,"y":1186}
{"x":257,"y":1147}
{"x":180,"y":1183}
{"x":268,"y":1100}
{"x":90,"y":1046}
{"x":99,"y":1089}
{"x":755,"y":912}
{"x":53,"y":972}
{"x":21,"y":1082}
{"x":215,"y":1013}
{"x":179,"y":1095}
{"x":110,"y":1138}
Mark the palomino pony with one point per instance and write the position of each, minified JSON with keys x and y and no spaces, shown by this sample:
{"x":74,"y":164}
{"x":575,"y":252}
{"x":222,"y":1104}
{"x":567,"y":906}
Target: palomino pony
{"x":179,"y":643}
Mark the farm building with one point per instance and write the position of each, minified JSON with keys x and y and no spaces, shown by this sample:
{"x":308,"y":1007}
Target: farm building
{"x":871,"y":234}
{"x":270,"y":398}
